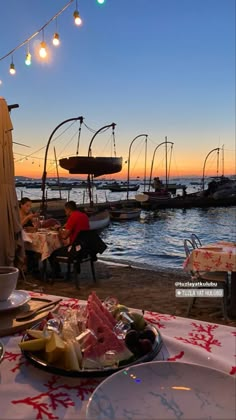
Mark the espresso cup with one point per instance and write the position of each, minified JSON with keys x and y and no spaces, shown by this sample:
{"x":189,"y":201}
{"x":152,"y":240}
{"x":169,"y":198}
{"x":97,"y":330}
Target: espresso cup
{"x":8,"y":281}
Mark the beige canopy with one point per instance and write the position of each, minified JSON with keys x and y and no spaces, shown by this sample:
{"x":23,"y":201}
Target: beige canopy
{"x":11,"y":242}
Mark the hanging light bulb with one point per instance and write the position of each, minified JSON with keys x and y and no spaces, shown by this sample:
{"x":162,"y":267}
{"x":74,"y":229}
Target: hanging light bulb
{"x":78,"y":20}
{"x":0,"y":82}
{"x":12,"y":69}
{"x":28,"y":59}
{"x":56,"y":39}
{"x":43,"y":51}
{"x":100,"y":1}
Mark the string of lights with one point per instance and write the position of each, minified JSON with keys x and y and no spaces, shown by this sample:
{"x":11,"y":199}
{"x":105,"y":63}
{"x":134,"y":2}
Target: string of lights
{"x":43,"y":45}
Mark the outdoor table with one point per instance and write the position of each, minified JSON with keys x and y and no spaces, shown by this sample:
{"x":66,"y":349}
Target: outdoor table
{"x":219,"y":256}
{"x":43,"y":242}
{"x":30,"y":393}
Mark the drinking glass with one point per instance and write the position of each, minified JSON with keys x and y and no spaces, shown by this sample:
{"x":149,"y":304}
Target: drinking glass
{"x":35,"y":222}
{"x":41,"y":220}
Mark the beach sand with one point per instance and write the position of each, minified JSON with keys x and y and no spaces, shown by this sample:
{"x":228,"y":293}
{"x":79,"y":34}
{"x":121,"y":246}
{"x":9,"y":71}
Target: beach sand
{"x":136,"y":287}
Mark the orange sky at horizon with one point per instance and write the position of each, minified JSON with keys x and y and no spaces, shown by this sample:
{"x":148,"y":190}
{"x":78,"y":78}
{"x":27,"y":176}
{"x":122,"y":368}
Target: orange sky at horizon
{"x":186,"y":169}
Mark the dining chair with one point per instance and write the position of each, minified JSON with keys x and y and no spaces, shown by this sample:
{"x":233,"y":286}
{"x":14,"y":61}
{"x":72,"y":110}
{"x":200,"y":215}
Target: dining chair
{"x":195,"y":240}
{"x":84,"y":249}
{"x":219,"y":277}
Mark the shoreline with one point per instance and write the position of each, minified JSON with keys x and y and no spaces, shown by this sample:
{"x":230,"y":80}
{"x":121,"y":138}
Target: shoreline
{"x":135,"y":287}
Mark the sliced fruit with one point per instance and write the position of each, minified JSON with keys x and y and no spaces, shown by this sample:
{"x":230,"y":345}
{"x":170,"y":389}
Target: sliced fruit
{"x":38,"y":334}
{"x":55,"y":348}
{"x":36,"y":344}
{"x":71,"y":360}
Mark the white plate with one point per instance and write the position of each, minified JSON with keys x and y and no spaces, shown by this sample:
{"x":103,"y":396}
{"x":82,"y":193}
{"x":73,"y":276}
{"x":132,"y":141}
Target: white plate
{"x":16,"y":299}
{"x":164,"y":390}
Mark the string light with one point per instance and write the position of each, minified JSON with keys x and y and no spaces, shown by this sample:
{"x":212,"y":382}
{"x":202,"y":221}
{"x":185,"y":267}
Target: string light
{"x":12,"y":69}
{"x":56,"y":39}
{"x":43,"y":50}
{"x":43,"y":45}
{"x":78,"y":20}
{"x":28,"y":59}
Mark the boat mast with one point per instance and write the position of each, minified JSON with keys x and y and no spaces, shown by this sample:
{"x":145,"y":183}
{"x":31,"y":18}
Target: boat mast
{"x":166,"y":163}
{"x":223,"y":160}
{"x":58,"y":178}
{"x":153,"y":157}
{"x":204,"y":165}
{"x":130,"y":146}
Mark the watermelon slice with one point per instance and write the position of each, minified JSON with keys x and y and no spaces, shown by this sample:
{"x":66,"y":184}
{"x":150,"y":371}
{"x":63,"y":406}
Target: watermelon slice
{"x":93,"y":298}
{"x":106,"y":339}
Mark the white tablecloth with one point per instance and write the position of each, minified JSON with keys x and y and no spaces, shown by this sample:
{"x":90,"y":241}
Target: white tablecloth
{"x":29,"y":393}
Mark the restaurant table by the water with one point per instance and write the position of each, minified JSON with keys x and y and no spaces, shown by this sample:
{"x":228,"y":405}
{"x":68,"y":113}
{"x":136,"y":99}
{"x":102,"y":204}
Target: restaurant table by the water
{"x":43,"y":242}
{"x":30,"y":393}
{"x":220,"y":256}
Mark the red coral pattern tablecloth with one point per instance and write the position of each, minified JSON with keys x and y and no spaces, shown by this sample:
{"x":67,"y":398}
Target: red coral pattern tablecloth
{"x":44,"y":243}
{"x":29,"y":393}
{"x":220,"y":256}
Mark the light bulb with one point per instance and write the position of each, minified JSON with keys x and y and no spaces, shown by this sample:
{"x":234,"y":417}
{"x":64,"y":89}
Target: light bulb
{"x":28,"y":59}
{"x":43,"y":51}
{"x":78,"y":20}
{"x":100,"y":1}
{"x":12,"y":69}
{"x":56,"y":39}
{"x":0,"y":82}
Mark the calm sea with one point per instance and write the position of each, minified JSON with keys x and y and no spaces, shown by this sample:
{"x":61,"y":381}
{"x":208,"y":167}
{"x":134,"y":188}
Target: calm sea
{"x":156,"y":240}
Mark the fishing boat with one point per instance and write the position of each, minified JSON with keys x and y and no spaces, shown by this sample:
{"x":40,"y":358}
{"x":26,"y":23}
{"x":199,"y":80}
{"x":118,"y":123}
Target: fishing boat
{"x":123,"y":187}
{"x":124,"y":214}
{"x":98,"y":220}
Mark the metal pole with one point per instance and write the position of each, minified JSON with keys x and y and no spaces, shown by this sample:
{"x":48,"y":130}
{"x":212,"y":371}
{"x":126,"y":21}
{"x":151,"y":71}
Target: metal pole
{"x":90,"y":154}
{"x":204,"y":165}
{"x":140,"y":135}
{"x":44,"y":177}
{"x":164,"y":142}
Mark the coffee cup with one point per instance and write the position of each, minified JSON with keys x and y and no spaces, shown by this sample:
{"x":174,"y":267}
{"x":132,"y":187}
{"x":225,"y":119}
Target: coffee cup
{"x":8,"y":281}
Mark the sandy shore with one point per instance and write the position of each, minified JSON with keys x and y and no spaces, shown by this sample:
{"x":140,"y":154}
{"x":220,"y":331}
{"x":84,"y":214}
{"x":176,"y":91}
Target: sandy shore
{"x":137,"y":287}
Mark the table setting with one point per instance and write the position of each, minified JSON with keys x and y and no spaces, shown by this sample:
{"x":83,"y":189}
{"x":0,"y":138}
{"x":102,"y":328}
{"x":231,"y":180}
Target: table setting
{"x":218,"y":256}
{"x":43,"y":377}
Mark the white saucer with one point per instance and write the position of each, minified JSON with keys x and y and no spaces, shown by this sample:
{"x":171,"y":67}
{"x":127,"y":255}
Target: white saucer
{"x":16,"y":299}
{"x":164,"y":390}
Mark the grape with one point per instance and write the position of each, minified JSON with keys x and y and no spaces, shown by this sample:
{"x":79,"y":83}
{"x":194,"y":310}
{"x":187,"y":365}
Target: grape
{"x":149,"y":334}
{"x":145,"y":346}
{"x":132,"y":340}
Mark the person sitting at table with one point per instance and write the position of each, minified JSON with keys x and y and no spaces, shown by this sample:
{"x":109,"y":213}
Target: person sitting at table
{"x":76,"y":221}
{"x":26,"y":214}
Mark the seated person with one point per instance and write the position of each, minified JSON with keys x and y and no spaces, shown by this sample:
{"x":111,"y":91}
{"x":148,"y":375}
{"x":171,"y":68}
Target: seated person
{"x":26,"y":217}
{"x":26,"y":214}
{"x":76,"y":222}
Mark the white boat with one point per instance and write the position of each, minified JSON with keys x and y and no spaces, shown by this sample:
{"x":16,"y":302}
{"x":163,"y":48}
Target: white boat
{"x":99,"y":220}
{"x":125,"y":214}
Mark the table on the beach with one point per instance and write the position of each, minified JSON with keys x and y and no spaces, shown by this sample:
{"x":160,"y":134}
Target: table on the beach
{"x":30,"y":393}
{"x":219,"y":256}
{"x":43,"y":242}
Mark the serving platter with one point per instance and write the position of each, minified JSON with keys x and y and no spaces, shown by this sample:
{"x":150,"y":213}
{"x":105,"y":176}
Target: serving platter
{"x":36,"y":358}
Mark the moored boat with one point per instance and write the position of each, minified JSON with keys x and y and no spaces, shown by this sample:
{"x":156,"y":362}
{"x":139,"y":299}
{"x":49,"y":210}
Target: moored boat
{"x":125,"y":214}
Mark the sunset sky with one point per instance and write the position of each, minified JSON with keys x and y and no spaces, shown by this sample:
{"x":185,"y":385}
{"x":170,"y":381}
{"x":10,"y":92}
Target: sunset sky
{"x":158,"y":67}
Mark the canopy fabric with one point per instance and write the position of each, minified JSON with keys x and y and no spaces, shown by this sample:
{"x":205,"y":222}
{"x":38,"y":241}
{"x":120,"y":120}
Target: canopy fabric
{"x":11,"y":242}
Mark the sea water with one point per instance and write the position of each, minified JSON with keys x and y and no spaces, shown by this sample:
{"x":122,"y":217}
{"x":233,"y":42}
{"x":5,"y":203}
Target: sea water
{"x":156,"y":239}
